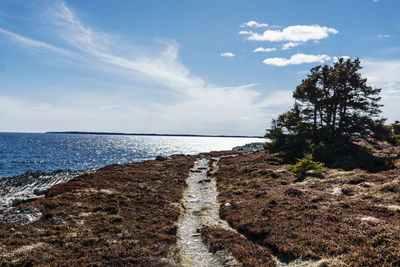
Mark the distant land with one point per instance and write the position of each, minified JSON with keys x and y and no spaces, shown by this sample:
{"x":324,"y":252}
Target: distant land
{"x":154,"y":134}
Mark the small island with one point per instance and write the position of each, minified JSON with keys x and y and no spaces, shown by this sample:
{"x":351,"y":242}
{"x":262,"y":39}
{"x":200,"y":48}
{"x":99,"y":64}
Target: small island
{"x":155,"y":134}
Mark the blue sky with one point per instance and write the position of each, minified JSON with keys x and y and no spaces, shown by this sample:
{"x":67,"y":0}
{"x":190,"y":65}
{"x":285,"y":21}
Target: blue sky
{"x":204,"y":67}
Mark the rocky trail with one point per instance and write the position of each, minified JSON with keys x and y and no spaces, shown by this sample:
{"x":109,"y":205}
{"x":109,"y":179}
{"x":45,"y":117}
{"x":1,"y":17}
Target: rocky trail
{"x":200,"y":209}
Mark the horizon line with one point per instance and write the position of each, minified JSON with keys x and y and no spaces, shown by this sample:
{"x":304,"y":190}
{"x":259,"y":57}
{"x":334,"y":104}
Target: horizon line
{"x":152,"y":134}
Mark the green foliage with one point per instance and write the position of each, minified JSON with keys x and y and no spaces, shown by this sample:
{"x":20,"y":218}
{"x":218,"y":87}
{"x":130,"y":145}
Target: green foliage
{"x":306,"y":166}
{"x":396,"y":127}
{"x":390,"y":133}
{"x":333,"y":106}
{"x":394,"y":134}
{"x":396,"y":140}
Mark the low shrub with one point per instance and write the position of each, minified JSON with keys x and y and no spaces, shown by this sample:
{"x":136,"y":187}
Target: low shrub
{"x":306,"y":166}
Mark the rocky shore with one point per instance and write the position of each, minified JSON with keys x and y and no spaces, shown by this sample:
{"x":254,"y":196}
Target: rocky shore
{"x":33,"y":185}
{"x":249,"y":148}
{"x":119,"y":215}
{"x":243,"y":206}
{"x":28,"y":187}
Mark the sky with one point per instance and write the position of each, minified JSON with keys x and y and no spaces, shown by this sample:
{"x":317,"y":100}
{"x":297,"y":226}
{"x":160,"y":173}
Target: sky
{"x":174,"y":66}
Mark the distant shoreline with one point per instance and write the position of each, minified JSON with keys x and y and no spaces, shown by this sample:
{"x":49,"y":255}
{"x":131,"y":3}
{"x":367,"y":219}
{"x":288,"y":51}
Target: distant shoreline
{"x":154,"y":134}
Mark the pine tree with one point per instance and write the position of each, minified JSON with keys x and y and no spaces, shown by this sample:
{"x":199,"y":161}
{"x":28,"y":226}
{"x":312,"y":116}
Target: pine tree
{"x":333,"y":103}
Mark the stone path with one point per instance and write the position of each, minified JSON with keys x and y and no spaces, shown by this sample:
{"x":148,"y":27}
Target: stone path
{"x":201,"y":208}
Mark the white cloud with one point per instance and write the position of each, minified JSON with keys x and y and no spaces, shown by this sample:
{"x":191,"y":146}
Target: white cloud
{"x":296,"y":33}
{"x":30,"y":43}
{"x":384,"y":74}
{"x":290,"y":45}
{"x":227,"y":54}
{"x":246,"y":32}
{"x":254,"y":24}
{"x":383,"y":36}
{"x":194,"y":105}
{"x":261,"y":49}
{"x":296,"y":60}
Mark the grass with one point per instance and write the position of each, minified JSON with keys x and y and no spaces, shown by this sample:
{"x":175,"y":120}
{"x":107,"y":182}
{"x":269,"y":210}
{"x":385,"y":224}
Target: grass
{"x":243,"y":250}
{"x":120,"y":215}
{"x":349,"y":217}
{"x":127,"y":215}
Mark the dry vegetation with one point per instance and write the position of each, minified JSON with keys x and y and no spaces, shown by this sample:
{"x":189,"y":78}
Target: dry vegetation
{"x":349,"y":218}
{"x":127,"y":215}
{"x":120,"y":215}
{"x":243,"y":250}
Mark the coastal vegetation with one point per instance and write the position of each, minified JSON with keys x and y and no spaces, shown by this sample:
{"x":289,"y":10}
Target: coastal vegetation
{"x":306,"y":166}
{"x":345,"y":218}
{"x":334,"y":109}
{"x":325,"y":192}
{"x":122,"y":215}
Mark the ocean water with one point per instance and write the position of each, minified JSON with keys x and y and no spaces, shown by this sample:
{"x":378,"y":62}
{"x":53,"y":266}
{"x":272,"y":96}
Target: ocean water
{"x":22,"y":152}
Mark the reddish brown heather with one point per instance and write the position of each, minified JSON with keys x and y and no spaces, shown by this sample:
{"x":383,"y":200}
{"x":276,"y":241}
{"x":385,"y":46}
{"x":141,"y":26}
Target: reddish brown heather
{"x":121,"y":215}
{"x":245,"y":251}
{"x":350,"y":218}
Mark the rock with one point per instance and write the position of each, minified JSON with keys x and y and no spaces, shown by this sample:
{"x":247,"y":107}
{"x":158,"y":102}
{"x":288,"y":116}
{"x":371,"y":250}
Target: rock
{"x":30,"y":186}
{"x":22,"y":215}
{"x":228,"y":204}
{"x":249,"y":148}
{"x":40,"y":191}
{"x":207,"y":180}
{"x":161,"y":158}
{"x":17,"y":201}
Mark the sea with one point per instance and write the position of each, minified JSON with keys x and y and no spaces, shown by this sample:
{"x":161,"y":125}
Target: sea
{"x":44,"y":152}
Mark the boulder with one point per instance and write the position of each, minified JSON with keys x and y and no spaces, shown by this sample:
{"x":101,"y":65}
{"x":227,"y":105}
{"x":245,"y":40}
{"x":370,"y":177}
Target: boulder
{"x":161,"y":158}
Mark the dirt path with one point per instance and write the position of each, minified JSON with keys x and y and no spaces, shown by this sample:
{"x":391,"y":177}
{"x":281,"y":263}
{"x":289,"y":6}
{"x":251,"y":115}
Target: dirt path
{"x":201,"y":208}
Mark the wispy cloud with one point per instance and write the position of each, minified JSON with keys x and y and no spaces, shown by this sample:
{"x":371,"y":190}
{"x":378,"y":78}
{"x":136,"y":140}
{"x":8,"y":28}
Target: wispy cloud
{"x":261,"y":49}
{"x":227,"y":54}
{"x":289,"y":45}
{"x":195,"y":105}
{"x":296,"y":33}
{"x":384,"y":74}
{"x":254,"y":24}
{"x":245,"y":32}
{"x":34,"y":44}
{"x":383,"y":36}
{"x":296,"y":60}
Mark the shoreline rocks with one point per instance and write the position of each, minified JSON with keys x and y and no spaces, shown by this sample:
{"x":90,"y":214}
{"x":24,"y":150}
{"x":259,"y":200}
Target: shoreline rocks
{"x":28,"y":187}
{"x":249,"y":148}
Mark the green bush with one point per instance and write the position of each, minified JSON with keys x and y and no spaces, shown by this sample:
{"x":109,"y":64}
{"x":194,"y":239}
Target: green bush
{"x":396,"y":138}
{"x":306,"y":167}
